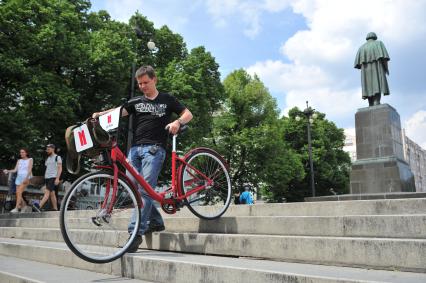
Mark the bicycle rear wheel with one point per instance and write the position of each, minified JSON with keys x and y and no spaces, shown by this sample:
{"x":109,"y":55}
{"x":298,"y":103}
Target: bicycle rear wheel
{"x":205,"y":180}
{"x":90,"y":231}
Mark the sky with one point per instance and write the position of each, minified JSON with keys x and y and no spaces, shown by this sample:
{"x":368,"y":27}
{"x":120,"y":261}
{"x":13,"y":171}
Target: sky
{"x":304,"y":50}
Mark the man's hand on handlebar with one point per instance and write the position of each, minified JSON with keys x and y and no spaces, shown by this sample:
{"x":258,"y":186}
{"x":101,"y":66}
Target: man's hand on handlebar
{"x":173,"y":127}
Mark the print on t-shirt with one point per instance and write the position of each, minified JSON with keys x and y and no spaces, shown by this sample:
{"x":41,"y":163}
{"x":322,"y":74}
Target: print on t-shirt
{"x":158,"y":110}
{"x":151,"y":117}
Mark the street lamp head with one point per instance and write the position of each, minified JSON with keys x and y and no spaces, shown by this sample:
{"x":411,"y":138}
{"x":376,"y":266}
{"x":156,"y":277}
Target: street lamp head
{"x":315,"y":115}
{"x":297,"y":118}
{"x":151,"y":45}
{"x":311,"y":120}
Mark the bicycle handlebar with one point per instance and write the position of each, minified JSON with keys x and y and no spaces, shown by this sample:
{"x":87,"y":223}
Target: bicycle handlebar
{"x":181,"y":130}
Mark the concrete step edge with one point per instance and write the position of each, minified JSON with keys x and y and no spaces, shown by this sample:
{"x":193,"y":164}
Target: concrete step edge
{"x":7,"y":277}
{"x":14,"y":269}
{"x":177,"y":267}
{"x":410,"y":206}
{"x":244,"y":235}
{"x":378,"y":253}
{"x":413,"y":226}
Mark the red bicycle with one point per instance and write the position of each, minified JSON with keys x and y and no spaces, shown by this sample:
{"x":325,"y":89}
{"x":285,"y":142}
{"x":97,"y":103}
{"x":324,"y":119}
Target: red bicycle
{"x":95,"y":212}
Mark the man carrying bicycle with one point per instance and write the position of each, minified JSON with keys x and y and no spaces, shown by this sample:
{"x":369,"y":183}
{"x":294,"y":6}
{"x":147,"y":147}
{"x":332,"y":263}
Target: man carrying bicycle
{"x":150,"y":117}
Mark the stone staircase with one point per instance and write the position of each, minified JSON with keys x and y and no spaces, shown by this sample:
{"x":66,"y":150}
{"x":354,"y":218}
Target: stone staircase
{"x":347,"y":241}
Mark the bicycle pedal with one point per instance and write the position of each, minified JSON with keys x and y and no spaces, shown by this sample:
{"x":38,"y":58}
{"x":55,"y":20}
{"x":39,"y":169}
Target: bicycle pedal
{"x":96,"y":221}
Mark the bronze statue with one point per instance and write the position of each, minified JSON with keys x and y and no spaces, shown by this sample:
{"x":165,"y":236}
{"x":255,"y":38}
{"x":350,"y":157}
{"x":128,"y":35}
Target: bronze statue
{"x":372,"y":58}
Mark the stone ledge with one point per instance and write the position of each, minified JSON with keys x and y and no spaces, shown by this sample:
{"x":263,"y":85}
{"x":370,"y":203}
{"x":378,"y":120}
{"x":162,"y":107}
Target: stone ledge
{"x":397,"y":195}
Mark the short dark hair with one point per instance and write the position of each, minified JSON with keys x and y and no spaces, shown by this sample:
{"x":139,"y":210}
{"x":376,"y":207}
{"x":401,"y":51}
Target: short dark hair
{"x":145,"y":70}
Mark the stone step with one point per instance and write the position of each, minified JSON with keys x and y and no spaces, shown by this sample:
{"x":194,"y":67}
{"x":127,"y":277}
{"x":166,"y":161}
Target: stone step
{"x":180,"y":267}
{"x":394,"y":226}
{"x":338,"y":208}
{"x":17,"y":270}
{"x":378,"y":253}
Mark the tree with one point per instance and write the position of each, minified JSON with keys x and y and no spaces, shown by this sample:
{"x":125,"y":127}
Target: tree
{"x":40,"y":43}
{"x":331,"y":163}
{"x":195,"y":80}
{"x":247,"y":131}
{"x":103,"y":81}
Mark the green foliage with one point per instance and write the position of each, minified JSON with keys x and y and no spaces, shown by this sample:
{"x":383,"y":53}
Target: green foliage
{"x":331,"y":163}
{"x":196,"y":82}
{"x":41,"y":46}
{"x":247,"y":131}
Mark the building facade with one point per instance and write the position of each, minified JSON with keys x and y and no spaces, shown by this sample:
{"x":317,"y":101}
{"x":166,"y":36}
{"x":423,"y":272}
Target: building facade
{"x":415,"y":156}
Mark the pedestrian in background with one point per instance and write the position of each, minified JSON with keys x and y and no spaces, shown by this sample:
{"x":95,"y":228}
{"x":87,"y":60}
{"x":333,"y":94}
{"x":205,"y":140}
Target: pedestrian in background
{"x":246,"y":197}
{"x":23,"y":168}
{"x":52,"y":177}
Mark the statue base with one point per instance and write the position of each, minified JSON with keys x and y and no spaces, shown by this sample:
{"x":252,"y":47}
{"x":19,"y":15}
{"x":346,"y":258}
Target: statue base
{"x":380,"y":165}
{"x":381,"y":175}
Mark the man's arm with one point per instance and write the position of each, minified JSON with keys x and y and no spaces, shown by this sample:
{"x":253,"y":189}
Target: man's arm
{"x":97,"y":114}
{"x":185,"y":118}
{"x":58,"y":175}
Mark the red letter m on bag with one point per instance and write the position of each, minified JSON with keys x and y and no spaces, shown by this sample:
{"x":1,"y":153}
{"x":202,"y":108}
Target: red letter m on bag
{"x":82,"y":138}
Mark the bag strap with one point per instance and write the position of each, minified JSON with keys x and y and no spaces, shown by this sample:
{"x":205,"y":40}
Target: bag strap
{"x":73,"y":165}
{"x":72,"y":157}
{"x":100,"y":136}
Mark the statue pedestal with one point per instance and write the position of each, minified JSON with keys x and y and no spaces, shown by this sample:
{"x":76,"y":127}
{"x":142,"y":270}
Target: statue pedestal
{"x":380,"y":165}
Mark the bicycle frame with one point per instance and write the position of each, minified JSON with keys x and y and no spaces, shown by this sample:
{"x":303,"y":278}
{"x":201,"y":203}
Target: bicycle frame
{"x":170,"y":196}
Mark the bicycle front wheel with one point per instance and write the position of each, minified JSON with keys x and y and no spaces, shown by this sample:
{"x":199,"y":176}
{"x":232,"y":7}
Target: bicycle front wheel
{"x":89,"y":230}
{"x":206,"y":182}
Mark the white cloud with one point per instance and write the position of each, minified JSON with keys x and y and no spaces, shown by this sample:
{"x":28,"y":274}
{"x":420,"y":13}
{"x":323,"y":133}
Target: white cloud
{"x":248,"y":11}
{"x":279,"y":76}
{"x":275,"y":5}
{"x":415,"y":128}
{"x":299,"y":83}
{"x":174,"y":14}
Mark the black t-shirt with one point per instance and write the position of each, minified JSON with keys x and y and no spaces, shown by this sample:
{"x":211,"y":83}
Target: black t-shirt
{"x":151,"y":117}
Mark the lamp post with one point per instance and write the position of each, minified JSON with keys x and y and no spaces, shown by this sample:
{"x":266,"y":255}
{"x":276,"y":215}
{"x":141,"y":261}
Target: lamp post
{"x":151,"y":46}
{"x":310,"y":115}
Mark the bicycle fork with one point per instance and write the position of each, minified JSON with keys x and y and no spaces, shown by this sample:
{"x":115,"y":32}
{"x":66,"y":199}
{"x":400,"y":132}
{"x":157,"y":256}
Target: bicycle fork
{"x":104,"y":214}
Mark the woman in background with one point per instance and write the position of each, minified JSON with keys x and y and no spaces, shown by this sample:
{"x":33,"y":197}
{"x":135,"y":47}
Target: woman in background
{"x":23,"y":169}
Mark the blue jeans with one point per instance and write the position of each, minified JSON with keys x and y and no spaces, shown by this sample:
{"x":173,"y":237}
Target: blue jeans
{"x":149,"y":166}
